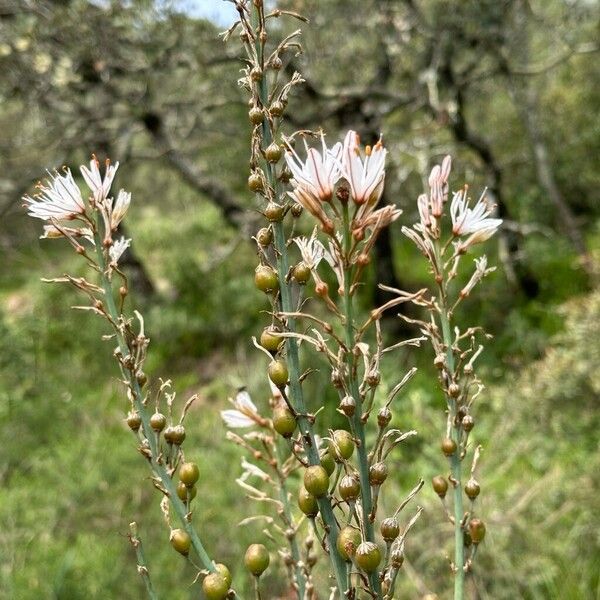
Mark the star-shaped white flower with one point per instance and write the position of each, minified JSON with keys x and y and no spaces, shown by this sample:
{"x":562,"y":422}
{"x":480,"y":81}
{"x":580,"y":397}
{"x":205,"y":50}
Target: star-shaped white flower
{"x":311,"y":249}
{"x":472,"y":221}
{"x":365,"y":176}
{"x":245,"y":413}
{"x":99,"y":185}
{"x":117,"y":249}
{"x":58,"y":198}
{"x":319,"y":173}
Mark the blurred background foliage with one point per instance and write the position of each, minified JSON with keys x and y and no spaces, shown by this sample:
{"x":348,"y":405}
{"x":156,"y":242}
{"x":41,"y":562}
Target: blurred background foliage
{"x":511,"y":88}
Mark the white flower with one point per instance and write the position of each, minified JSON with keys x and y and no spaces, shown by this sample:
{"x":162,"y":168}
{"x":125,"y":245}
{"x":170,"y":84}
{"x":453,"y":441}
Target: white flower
{"x":251,"y":470}
{"x":120,"y":208}
{"x":100,"y":186}
{"x":474,"y":221}
{"x":311,"y":249}
{"x":245,"y":413}
{"x":438,"y":186}
{"x":319,"y":173}
{"x":117,"y":249}
{"x":53,"y":231}
{"x":419,"y":236}
{"x":481,"y":271}
{"x":59,"y":198}
{"x":364,"y":176}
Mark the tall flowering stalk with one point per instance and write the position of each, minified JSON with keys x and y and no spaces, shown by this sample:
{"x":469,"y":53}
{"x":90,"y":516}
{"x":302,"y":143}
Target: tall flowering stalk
{"x":444,"y":244}
{"x":89,"y":223}
{"x":339,"y":187}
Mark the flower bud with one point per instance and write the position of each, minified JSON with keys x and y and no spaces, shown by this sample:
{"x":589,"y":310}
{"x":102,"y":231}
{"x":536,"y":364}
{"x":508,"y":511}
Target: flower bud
{"x":278,"y":372}
{"x":440,"y":486}
{"x":341,"y":447}
{"x":347,"y":542}
{"x":448,"y":446}
{"x":181,"y":541}
{"x":472,"y":488}
{"x":322,"y":289}
{"x":257,"y":559}
{"x":368,"y":556}
{"x":390,"y":529}
{"x":349,"y":488}
{"x":316,"y":481}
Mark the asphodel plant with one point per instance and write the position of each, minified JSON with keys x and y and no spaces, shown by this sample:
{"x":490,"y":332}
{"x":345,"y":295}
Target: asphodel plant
{"x":324,"y":490}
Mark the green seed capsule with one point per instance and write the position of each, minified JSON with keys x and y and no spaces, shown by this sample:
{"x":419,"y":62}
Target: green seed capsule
{"x":185,"y":493}
{"x":368,"y":556}
{"x":477,"y":530}
{"x":257,"y":559}
{"x":276,"y":109}
{"x":278,"y":372}
{"x":266,"y":279}
{"x":273,"y":152}
{"x":440,"y":485}
{"x":269,"y":339}
{"x":328,"y":463}
{"x":215,"y":587}
{"x":343,"y":448}
{"x":307,"y":502}
{"x":134,"y":421}
{"x":158,"y":422}
{"x":256,"y":115}
{"x":189,"y":473}
{"x":448,"y":446}
{"x":301,"y":273}
{"x":316,"y":480}
{"x":175,"y":435}
{"x":472,"y":488}
{"x":264,"y":236}
{"x":284,"y":421}
{"x":255,"y":182}
{"x":274,"y":212}
{"x":347,"y":542}
{"x":390,"y":529}
{"x":181,"y":541}
{"x":349,"y":488}
{"x":378,"y":473}
{"x":224,"y":572}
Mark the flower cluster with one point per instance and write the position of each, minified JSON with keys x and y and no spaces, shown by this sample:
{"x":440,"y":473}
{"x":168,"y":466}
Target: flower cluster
{"x":60,"y":201}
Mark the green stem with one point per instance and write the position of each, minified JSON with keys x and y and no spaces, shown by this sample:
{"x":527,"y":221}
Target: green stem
{"x":157,"y":467}
{"x":141,"y":561}
{"x":455,"y":461}
{"x":356,"y":421}
{"x":293,"y":361}
{"x":287,"y":512}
